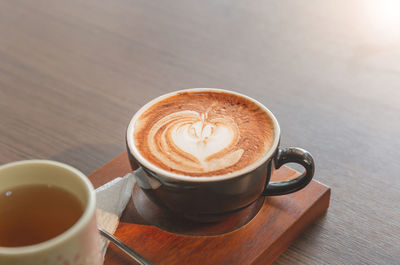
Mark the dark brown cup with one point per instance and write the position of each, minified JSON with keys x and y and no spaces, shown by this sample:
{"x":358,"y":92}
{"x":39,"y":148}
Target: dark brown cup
{"x":208,"y":199}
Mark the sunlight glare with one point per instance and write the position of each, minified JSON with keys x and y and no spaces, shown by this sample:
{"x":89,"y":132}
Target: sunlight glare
{"x":384,"y":20}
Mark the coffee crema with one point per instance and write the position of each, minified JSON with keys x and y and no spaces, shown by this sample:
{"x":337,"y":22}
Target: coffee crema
{"x":203,"y":133}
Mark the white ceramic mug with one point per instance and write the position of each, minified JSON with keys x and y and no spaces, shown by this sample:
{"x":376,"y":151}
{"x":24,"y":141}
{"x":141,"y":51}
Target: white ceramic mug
{"x":79,"y":245}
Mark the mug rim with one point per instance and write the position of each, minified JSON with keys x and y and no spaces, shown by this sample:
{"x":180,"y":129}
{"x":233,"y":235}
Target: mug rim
{"x":132,"y":147}
{"x":85,"y":218}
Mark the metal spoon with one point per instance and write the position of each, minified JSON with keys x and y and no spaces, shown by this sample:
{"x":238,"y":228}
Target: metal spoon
{"x":125,"y":248}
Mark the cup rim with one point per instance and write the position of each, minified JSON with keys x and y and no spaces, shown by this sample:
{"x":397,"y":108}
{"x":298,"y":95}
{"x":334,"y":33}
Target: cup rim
{"x":84,"y":219}
{"x":182,"y":177}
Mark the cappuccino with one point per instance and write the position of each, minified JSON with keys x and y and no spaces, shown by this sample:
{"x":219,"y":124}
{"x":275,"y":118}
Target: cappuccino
{"x":203,"y":133}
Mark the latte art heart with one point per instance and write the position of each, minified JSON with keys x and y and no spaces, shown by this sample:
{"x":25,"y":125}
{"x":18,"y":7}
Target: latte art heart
{"x":203,"y":133}
{"x":191,"y":142}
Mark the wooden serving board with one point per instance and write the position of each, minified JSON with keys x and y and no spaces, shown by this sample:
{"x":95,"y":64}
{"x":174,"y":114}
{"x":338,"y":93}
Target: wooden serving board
{"x":280,"y":220}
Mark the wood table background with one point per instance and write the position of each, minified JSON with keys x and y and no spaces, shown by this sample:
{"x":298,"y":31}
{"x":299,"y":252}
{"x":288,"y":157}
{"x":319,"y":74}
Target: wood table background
{"x":72,"y":73}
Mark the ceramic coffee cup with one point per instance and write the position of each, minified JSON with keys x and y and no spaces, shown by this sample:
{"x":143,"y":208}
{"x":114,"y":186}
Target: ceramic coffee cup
{"x":78,"y":245}
{"x":214,"y":197}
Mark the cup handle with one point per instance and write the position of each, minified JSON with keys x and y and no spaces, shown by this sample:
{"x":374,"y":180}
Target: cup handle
{"x":291,"y":155}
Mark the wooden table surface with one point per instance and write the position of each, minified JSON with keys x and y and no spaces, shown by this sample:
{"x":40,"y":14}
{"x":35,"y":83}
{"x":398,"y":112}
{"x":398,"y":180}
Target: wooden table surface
{"x":72,"y":73}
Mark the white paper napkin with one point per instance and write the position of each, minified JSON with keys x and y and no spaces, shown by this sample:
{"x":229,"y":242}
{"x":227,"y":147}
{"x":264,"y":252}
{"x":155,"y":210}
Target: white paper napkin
{"x":111,"y":199}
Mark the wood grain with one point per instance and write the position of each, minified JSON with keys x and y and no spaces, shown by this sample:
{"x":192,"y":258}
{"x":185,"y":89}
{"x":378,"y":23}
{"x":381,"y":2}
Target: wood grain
{"x":73,"y":73}
{"x":276,"y":225}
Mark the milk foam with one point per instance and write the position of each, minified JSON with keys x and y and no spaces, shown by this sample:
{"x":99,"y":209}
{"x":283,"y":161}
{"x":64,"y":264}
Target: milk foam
{"x":203,"y":133}
{"x":191,"y":142}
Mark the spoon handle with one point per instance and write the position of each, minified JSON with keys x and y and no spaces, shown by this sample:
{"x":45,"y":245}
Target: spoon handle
{"x":125,"y":248}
